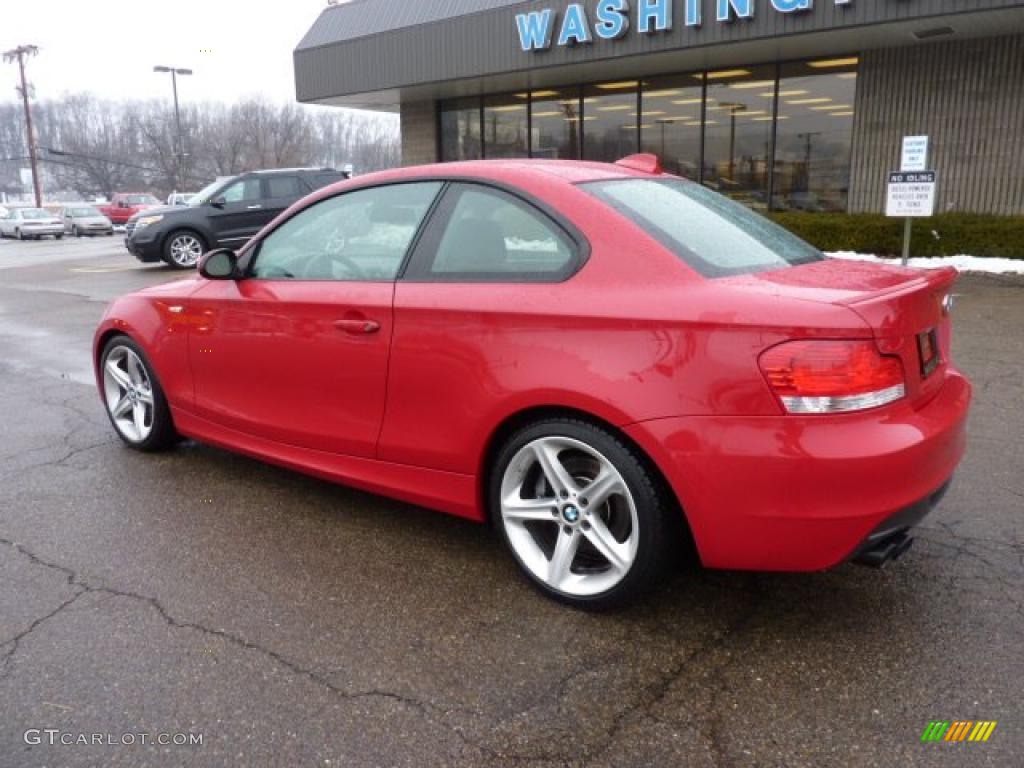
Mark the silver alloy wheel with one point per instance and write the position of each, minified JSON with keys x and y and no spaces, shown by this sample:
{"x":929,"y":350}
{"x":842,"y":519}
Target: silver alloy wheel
{"x":128,"y":392}
{"x":186,"y":250}
{"x":569,"y":516}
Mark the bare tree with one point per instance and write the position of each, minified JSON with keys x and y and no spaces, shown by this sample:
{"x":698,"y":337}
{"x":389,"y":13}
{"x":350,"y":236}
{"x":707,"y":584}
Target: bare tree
{"x":100,"y":147}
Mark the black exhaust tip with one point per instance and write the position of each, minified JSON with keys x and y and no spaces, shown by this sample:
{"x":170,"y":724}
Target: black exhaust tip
{"x":890,"y":548}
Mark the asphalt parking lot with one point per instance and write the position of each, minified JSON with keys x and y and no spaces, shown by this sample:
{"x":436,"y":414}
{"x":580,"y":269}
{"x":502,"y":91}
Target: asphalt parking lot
{"x":295,"y":623}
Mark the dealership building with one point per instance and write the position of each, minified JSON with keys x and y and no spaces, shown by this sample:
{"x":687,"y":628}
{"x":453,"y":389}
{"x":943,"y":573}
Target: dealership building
{"x":783,"y":104}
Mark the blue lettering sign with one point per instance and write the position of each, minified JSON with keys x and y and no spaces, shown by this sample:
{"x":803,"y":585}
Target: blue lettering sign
{"x":658,"y":11}
{"x":535,"y":29}
{"x":744,"y":9}
{"x":788,"y":6}
{"x":575,"y":27}
{"x":693,"y":13}
{"x":612,"y":19}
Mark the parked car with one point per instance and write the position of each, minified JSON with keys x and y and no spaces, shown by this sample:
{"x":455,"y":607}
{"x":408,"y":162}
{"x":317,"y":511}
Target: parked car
{"x":31,"y":223}
{"x":600,"y":360}
{"x":226,"y":213}
{"x":85,"y":220}
{"x":127,"y":204}
{"x":180,"y":198}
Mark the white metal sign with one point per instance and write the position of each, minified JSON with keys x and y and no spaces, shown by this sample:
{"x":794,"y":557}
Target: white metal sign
{"x":911,"y":195}
{"x":915,"y":153}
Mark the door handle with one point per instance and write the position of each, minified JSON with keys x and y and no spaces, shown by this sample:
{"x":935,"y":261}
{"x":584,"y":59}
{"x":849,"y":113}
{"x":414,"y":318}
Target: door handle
{"x":253,"y":207}
{"x":363,"y":326}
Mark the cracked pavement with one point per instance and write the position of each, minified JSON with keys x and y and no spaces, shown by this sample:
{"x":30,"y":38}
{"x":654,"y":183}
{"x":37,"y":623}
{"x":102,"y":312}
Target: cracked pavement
{"x":292,"y":622}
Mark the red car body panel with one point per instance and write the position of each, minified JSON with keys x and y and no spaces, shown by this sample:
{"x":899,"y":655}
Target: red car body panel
{"x":118,"y":213}
{"x":635,"y":338}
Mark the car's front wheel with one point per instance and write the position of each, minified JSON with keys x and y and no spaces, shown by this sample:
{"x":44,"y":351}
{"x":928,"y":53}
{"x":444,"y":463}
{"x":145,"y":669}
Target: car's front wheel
{"x":183,"y":249}
{"x":134,"y":398}
{"x":581,"y":512}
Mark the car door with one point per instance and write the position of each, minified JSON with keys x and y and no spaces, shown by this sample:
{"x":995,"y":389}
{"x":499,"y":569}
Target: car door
{"x":476,"y":300}
{"x":238,"y":212}
{"x":297,"y":351}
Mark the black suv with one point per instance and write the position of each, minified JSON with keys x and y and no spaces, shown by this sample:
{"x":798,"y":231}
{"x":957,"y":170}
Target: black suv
{"x":223,"y":215}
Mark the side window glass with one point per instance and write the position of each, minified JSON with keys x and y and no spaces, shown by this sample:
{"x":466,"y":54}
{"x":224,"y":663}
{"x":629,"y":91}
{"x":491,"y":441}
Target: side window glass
{"x":361,"y":235}
{"x":284,"y":186}
{"x":493,"y":235}
{"x":244,"y":191}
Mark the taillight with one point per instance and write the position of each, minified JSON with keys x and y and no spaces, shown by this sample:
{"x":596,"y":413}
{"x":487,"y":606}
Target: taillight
{"x":818,"y":376}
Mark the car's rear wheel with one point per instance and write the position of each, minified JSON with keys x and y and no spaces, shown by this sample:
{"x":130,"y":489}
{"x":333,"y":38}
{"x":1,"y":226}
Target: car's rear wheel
{"x":183,"y":249}
{"x":581,"y":512}
{"x":75,"y":232}
{"x":18,"y":235}
{"x":134,"y":398}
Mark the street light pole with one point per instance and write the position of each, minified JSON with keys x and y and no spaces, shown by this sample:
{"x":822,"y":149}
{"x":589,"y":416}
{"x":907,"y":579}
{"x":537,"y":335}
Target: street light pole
{"x":180,"y":148}
{"x":20,"y":53}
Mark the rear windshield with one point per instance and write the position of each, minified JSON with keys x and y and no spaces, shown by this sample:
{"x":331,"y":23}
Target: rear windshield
{"x":710,"y":232}
{"x":35,"y":213}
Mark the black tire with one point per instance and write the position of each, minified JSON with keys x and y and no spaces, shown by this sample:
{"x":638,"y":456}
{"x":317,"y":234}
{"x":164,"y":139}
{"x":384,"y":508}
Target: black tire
{"x":75,"y":232}
{"x":169,"y":244}
{"x":18,"y":235}
{"x":655,"y":526}
{"x":59,"y":237}
{"x":162,"y":435}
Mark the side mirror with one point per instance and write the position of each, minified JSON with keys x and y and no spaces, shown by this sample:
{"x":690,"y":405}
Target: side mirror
{"x":218,"y":202}
{"x":219,"y":264}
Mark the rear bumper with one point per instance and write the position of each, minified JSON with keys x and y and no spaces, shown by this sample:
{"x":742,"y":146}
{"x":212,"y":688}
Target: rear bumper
{"x":49,"y":229}
{"x":795,"y":493}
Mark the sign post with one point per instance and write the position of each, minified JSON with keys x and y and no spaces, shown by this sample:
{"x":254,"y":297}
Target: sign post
{"x":911,"y":192}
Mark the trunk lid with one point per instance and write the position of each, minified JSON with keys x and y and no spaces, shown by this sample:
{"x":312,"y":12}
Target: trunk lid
{"x":904,"y":308}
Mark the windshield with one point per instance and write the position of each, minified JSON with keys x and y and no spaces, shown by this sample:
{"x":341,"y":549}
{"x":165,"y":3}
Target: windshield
{"x":81,"y":213}
{"x":206,"y":193}
{"x":711,"y":233}
{"x":141,"y":200}
{"x":35,"y":213}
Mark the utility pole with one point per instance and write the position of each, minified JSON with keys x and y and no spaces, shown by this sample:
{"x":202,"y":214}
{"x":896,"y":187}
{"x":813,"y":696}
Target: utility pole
{"x":20,"y":53}
{"x":180,"y":149}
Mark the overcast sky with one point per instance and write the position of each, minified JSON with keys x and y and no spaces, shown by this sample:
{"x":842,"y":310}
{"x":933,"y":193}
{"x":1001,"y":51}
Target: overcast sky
{"x":109,"y":47}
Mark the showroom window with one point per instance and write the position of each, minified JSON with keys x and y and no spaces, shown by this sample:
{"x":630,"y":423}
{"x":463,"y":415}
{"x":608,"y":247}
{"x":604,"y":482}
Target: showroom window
{"x":724,"y":128}
{"x":611,"y":121}
{"x":738,"y":133}
{"x":506,"y":126}
{"x":672,"y":109}
{"x":555,"y":124}
{"x":814,"y":135}
{"x":460,"y":130}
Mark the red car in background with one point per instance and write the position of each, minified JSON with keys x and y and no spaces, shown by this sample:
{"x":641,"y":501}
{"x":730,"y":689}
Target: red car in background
{"x":127,"y":204}
{"x":593,"y":358}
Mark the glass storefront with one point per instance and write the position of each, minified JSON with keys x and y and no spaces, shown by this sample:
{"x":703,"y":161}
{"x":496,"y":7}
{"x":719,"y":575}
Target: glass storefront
{"x":555,"y":124}
{"x":671,"y":128}
{"x":610,"y":121}
{"x":460,"y":130}
{"x":774,"y":136}
{"x":506,"y":126}
{"x":738,"y":112}
{"x":813,"y":138}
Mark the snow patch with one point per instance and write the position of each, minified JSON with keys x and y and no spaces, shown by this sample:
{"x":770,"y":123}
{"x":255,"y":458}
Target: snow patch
{"x":962,"y":263}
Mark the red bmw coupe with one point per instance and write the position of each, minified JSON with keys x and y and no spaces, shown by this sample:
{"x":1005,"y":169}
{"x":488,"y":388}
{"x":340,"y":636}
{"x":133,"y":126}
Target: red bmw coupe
{"x":593,"y":358}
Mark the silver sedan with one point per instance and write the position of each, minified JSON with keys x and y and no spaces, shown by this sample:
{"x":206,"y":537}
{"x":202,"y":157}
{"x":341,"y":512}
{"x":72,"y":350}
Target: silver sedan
{"x":35,"y":223}
{"x":82,"y":220}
